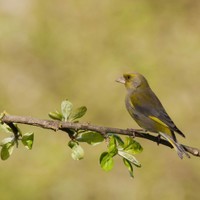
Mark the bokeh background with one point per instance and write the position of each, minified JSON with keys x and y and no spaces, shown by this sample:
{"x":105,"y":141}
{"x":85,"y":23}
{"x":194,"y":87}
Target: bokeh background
{"x":53,"y":50}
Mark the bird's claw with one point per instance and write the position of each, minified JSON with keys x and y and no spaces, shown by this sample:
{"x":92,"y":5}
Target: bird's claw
{"x":132,"y":131}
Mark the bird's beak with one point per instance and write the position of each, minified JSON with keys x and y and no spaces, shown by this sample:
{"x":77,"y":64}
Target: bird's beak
{"x":120,"y":80}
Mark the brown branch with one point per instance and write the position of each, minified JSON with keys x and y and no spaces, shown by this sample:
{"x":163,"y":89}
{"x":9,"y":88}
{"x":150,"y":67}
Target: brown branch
{"x":58,"y":125}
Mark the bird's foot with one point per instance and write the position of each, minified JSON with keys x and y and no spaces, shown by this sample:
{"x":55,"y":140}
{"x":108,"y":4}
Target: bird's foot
{"x":132,"y":131}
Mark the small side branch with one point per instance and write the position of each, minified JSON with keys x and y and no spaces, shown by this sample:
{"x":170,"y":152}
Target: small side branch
{"x":58,"y":125}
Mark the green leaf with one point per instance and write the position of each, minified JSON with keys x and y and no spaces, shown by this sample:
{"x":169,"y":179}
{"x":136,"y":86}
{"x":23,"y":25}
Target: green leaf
{"x":7,"y":148}
{"x":78,"y":113}
{"x":55,"y":115}
{"x":5,"y":128}
{"x":77,"y":150}
{"x":27,"y":140}
{"x":7,"y":140}
{"x":66,"y":109}
{"x":112,"y":147}
{"x":129,"y":157}
{"x":128,"y":164}
{"x":91,"y":137}
{"x":132,"y":147}
{"x":106,"y":161}
{"x":119,"y":140}
{"x":72,"y":143}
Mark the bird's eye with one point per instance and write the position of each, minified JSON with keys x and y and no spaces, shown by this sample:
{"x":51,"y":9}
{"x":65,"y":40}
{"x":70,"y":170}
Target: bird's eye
{"x":128,"y":77}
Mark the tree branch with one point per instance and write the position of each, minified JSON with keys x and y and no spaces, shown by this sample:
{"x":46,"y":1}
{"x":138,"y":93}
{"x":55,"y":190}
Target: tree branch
{"x":59,"y":125}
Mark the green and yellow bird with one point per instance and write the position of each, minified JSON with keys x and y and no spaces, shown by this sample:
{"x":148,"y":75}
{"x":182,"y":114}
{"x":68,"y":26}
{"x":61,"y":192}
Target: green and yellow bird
{"x":146,"y":109}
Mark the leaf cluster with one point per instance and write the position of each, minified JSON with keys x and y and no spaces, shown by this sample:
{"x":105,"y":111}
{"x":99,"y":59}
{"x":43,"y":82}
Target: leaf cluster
{"x":69,"y":114}
{"x":116,"y":146}
{"x":125,"y":149}
{"x":9,"y":143}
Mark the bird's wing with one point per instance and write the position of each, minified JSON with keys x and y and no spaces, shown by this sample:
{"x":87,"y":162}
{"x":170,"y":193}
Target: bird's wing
{"x":149,"y":105}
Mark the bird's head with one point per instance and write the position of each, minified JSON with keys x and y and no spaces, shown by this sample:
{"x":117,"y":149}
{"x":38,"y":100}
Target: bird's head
{"x":133,"y":80}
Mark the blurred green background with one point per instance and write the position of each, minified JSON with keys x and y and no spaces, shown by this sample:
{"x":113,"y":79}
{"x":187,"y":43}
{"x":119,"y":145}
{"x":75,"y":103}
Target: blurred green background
{"x":53,"y":50}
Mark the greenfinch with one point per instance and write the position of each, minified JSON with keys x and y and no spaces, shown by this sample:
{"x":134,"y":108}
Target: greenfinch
{"x":146,"y":109}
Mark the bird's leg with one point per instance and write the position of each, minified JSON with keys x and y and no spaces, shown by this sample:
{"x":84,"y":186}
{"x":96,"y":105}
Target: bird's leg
{"x":133,"y":131}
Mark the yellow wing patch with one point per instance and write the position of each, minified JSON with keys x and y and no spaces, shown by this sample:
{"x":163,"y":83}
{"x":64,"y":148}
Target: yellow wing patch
{"x":158,"y":121}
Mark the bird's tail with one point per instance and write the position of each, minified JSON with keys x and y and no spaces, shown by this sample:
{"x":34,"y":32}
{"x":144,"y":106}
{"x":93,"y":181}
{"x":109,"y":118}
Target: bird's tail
{"x":178,"y":147}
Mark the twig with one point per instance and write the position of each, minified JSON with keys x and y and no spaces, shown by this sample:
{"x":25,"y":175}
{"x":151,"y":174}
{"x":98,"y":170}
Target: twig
{"x":58,"y":125}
